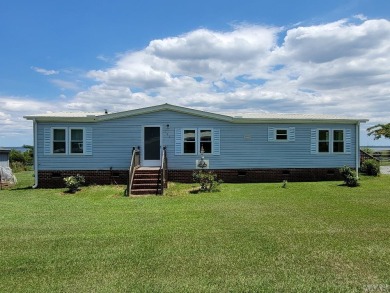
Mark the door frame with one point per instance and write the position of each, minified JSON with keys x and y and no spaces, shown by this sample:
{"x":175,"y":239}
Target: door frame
{"x":150,"y":163}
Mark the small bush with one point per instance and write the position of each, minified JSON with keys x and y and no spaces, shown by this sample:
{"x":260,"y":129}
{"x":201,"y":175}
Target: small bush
{"x":371,"y":167}
{"x":74,"y":182}
{"x":349,"y":176}
{"x":17,"y":166}
{"x":207,"y":179}
{"x":351,"y":180}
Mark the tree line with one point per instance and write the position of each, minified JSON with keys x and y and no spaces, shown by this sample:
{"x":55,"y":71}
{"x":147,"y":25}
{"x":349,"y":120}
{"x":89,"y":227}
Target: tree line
{"x":22,"y":161}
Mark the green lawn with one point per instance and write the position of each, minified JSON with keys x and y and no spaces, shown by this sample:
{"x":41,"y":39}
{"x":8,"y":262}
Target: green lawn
{"x":317,"y":237}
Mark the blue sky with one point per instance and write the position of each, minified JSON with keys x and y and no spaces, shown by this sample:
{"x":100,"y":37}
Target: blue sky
{"x":272,"y":56}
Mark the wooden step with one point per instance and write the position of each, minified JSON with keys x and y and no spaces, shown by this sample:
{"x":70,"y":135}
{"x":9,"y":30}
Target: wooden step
{"x":146,"y":181}
{"x":146,"y":174}
{"x":143,"y":171}
{"x":145,"y":186}
{"x":142,"y":180}
{"x":145,"y":191}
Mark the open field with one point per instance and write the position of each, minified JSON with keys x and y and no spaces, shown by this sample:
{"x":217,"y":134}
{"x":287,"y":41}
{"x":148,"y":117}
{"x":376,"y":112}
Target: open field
{"x":308,"y":237}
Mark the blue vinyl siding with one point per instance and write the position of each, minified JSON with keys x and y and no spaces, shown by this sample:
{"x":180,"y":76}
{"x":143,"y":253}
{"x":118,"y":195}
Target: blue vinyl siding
{"x":4,"y":160}
{"x":239,"y":145}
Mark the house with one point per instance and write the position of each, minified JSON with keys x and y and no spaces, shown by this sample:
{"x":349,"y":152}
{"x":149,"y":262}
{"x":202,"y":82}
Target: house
{"x":239,"y":147}
{"x":4,"y":167}
{"x":4,"y":158}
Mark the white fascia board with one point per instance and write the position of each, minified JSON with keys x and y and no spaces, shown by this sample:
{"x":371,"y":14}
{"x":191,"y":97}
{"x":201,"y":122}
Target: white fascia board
{"x":61,"y":119}
{"x":164,"y":107}
{"x":297,"y":121}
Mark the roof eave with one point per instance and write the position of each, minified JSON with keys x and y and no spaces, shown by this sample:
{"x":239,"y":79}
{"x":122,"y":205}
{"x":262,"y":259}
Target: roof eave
{"x":298,"y":121}
{"x":61,"y":119}
{"x":164,"y":107}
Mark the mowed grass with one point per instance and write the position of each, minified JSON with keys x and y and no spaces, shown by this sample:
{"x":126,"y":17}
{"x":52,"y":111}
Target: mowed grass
{"x":308,"y":237}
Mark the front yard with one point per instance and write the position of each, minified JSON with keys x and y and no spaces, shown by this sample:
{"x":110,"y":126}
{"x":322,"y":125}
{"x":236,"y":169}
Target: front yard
{"x":246,"y":238}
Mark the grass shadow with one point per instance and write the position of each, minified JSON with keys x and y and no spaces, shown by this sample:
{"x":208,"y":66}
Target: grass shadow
{"x":19,"y":188}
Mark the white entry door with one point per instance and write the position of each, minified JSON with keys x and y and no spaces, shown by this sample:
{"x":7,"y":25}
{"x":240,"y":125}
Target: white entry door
{"x":152,"y":142}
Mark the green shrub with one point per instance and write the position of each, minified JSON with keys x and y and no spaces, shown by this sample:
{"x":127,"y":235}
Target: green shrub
{"x":371,"y":167}
{"x":349,"y":176}
{"x":207,"y":179}
{"x":17,"y":166}
{"x":351,"y":180}
{"x":74,"y":182}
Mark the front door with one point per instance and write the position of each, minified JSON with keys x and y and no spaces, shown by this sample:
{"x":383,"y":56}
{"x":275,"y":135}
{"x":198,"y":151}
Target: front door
{"x":152,"y":151}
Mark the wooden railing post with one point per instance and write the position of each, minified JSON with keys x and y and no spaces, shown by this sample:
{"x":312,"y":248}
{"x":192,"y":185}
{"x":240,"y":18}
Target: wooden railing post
{"x":134,"y":163}
{"x":163,"y":170}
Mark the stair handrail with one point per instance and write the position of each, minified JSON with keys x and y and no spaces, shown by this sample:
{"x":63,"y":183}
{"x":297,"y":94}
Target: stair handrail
{"x":364,"y":155}
{"x":163,"y":170}
{"x":134,"y":163}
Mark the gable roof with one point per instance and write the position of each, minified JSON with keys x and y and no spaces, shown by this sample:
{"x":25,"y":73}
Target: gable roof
{"x":229,"y":117}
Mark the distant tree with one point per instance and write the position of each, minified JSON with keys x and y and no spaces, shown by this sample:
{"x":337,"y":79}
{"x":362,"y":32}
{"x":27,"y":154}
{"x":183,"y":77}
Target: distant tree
{"x":25,"y":158}
{"x":16,"y":156}
{"x":379,"y":130}
{"x":28,"y":154}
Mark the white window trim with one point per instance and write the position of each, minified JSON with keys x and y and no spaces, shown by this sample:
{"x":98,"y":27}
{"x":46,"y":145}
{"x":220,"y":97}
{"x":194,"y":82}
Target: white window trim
{"x":52,"y":141}
{"x":281,"y":140}
{"x":272,"y":134}
{"x":211,"y":141}
{"x":70,"y":140}
{"x":197,"y":141}
{"x":182,"y":141}
{"x":68,"y":131}
{"x":331,"y":141}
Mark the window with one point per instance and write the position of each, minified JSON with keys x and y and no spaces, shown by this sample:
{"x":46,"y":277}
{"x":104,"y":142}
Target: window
{"x":67,"y":141}
{"x":189,"y":144}
{"x":323,"y":141}
{"x":59,"y":141}
{"x":276,"y":134}
{"x":196,"y":139}
{"x":76,"y":141}
{"x":331,"y":141}
{"x":338,"y":141}
{"x":205,"y":141}
{"x":281,"y":134}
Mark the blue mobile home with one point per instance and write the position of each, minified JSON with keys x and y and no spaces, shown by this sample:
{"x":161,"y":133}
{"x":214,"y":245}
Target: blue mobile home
{"x":240,"y":148}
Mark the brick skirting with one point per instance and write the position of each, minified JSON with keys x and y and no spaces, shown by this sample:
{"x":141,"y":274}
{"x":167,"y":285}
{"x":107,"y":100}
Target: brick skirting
{"x":262,"y":175}
{"x":54,"y":179}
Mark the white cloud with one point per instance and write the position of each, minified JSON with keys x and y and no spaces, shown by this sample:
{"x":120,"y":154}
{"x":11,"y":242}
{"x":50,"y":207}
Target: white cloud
{"x":44,"y":71}
{"x":328,"y":42}
{"x":360,"y":17}
{"x":339,"y":68}
{"x":66,"y":85}
{"x":13,"y":125}
{"x":243,"y":43}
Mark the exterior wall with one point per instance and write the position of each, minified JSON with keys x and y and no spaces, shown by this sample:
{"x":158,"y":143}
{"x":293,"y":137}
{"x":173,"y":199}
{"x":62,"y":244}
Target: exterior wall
{"x":242,"y":146}
{"x":4,"y":159}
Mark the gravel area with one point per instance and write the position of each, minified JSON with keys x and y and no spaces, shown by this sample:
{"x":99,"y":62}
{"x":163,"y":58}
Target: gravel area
{"x":385,"y":170}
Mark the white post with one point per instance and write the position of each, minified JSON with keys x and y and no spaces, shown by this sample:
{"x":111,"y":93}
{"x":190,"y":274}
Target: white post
{"x":357,"y":143}
{"x":35,"y":144}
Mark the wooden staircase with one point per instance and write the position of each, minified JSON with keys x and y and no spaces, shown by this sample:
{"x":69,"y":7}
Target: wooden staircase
{"x":146,"y":181}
